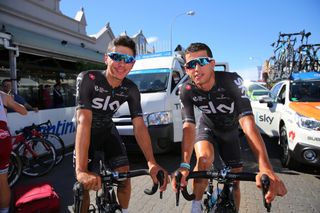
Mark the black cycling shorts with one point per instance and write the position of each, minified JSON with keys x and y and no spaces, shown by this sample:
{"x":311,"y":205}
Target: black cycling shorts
{"x":106,"y":145}
{"x":225,"y":142}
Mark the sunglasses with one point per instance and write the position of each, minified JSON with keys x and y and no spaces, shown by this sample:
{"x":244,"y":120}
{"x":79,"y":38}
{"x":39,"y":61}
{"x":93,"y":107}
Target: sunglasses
{"x":119,"y":57}
{"x":201,"y":61}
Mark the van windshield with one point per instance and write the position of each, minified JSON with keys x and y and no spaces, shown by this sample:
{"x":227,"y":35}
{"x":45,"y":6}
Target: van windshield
{"x":305,"y":91}
{"x":150,"y":80}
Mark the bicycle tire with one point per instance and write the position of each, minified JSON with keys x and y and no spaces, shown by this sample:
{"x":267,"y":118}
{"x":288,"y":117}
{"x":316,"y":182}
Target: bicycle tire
{"x":58,"y":144}
{"x":15,"y":169}
{"x":44,"y":160}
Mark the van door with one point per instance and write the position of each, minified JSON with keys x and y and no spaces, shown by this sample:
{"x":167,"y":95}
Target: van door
{"x":176,"y":81}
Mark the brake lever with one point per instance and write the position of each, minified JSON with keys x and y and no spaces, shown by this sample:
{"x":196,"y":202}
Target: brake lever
{"x":265,"y":187}
{"x":160,"y":177}
{"x":178,"y":176}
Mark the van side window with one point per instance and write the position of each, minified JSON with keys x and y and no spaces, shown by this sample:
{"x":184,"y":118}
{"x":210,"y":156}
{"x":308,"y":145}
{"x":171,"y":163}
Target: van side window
{"x":175,"y":79}
{"x":282,"y":95}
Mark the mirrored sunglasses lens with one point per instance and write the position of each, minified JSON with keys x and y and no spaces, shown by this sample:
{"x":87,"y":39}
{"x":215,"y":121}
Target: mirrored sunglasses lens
{"x":128,"y":59}
{"x":203,"y":61}
{"x":115,"y":56}
{"x":191,"y":64}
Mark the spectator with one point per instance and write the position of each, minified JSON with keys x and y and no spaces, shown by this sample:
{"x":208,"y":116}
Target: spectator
{"x":46,"y":97}
{"x":7,"y":88}
{"x":6,"y":101}
{"x":57,"y":95}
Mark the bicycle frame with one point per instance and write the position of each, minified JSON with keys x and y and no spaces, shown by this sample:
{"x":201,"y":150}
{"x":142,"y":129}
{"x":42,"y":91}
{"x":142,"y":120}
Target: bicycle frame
{"x":106,"y":200}
{"x":225,"y":202}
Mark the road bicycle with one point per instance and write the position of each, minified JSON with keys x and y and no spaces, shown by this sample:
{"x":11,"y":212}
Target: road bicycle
{"x":106,"y":200}
{"x":223,"y":201}
{"x":286,"y":57}
{"x":43,"y":131}
{"x":32,"y":157}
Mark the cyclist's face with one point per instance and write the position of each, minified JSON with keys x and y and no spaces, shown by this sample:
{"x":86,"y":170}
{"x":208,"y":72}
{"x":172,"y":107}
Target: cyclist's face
{"x":119,"y":70}
{"x":202,"y":76}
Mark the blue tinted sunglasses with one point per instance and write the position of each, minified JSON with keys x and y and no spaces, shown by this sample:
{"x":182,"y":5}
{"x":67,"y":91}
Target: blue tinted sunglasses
{"x":119,"y":57}
{"x":201,"y":61}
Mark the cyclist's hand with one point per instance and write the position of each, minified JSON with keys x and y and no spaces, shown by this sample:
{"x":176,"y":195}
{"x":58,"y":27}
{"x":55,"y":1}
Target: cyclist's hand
{"x":183,"y":182}
{"x":153,"y":170}
{"x":90,"y":180}
{"x":277,"y":187}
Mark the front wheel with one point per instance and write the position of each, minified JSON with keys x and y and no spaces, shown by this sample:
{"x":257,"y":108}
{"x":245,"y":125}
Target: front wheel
{"x":38,"y":156}
{"x":15,"y":168}
{"x":58,"y":144}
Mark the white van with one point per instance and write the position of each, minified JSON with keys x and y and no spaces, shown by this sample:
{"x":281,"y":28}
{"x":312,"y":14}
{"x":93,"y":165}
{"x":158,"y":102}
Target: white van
{"x":158,"y":77}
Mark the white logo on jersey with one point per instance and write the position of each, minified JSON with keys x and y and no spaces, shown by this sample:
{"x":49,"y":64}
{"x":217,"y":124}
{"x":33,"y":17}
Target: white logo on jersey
{"x":239,"y":83}
{"x":100,"y":103}
{"x":100,"y":89}
{"x":210,"y":108}
{"x":198,"y":98}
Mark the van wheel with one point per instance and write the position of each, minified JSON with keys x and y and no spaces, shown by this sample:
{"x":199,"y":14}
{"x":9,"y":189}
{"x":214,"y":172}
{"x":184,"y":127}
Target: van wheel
{"x":285,"y":158}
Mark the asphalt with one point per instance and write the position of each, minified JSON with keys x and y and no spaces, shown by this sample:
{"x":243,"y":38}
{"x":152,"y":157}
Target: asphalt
{"x":303,"y":186}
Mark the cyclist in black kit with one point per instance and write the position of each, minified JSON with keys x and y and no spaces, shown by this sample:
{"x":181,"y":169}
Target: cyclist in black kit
{"x":99,"y":95}
{"x":221,"y":98}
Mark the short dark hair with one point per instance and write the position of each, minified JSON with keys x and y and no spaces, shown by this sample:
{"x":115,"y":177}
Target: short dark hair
{"x":6,"y":80}
{"x":195,"y":47}
{"x":125,"y":41}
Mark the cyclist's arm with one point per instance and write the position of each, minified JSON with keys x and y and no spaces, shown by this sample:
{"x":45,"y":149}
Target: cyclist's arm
{"x":256,"y":144}
{"x":188,"y":118}
{"x":84,"y":119}
{"x":143,"y":139}
{"x":188,"y":138}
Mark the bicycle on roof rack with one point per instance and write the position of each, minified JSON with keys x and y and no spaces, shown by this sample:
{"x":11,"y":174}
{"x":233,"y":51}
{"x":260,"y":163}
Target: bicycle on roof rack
{"x":220,"y":200}
{"x":106,"y":199}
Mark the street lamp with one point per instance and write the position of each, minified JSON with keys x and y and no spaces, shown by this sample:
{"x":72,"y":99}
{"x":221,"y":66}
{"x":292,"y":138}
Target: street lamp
{"x":190,"y":13}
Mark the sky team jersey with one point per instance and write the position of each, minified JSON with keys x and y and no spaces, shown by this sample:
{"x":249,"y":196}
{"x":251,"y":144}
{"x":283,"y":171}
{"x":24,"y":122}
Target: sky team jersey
{"x":222,"y":106}
{"x":95,"y":93}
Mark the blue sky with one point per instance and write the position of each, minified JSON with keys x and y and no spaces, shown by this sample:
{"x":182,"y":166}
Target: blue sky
{"x":235,"y":30}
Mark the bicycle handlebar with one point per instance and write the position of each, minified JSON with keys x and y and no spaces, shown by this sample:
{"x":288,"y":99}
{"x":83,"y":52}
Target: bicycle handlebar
{"x":265,"y":187}
{"x":111,"y":177}
{"x":221,"y":177}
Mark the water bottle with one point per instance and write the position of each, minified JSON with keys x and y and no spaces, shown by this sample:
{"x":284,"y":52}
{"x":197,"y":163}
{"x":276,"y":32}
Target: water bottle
{"x":215,"y":195}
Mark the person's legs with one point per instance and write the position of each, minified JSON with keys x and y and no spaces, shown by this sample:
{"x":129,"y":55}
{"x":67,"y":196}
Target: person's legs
{"x":205,"y":155}
{"x":229,"y":149}
{"x":124,"y":189}
{"x":4,"y":191}
{"x":85,"y":202}
{"x":236,"y":189}
{"x":5,"y":150}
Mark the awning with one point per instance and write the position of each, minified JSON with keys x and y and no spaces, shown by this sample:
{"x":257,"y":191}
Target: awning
{"x":35,"y":43}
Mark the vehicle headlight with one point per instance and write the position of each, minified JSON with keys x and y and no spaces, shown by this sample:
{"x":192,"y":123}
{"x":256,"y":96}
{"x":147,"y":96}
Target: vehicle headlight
{"x":307,"y":123}
{"x":158,"y":118}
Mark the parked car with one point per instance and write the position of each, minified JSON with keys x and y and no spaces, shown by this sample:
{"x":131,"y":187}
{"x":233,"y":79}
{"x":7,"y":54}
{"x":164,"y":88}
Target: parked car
{"x":256,"y":89}
{"x":256,"y":95}
{"x":293,"y":115}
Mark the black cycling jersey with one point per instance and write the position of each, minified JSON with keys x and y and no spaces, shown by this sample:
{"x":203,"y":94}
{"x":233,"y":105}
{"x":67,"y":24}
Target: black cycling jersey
{"x":95,"y":93}
{"x":222,"y":106}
